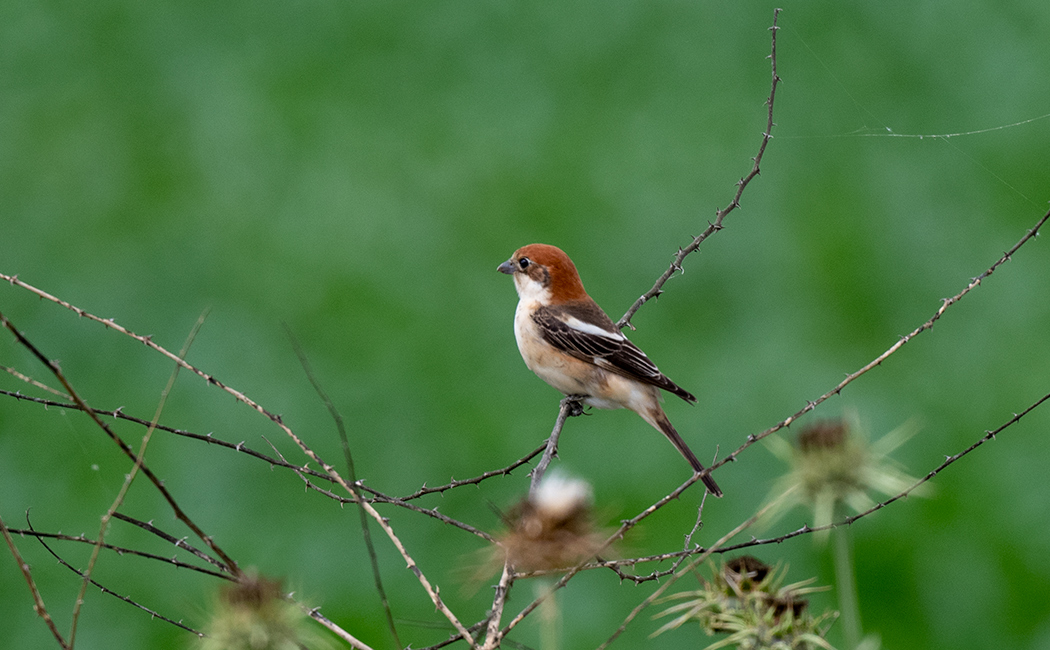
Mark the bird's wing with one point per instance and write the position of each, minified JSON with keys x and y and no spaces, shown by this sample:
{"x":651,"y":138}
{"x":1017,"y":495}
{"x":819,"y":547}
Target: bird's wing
{"x":582,"y":333}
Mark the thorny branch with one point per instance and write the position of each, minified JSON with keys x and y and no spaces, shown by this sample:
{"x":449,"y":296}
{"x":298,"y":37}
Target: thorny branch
{"x":948,"y":302}
{"x":128,"y":480}
{"x":230,"y":565}
{"x":716,"y":225}
{"x":38,"y":601}
{"x":122,"y":550}
{"x":329,"y":469}
{"x":491,"y":623}
{"x":304,"y":472}
{"x":352,"y":473}
{"x":86,"y":577}
{"x":569,"y":406}
{"x":616,"y":565}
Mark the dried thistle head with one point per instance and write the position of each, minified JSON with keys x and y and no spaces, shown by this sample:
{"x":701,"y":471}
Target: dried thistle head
{"x":553,"y":528}
{"x":834,"y":467}
{"x":253,"y":614}
{"x":828,"y":460}
{"x":748,"y":601}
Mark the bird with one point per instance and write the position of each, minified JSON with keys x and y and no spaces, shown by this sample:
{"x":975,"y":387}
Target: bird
{"x":570,"y":343}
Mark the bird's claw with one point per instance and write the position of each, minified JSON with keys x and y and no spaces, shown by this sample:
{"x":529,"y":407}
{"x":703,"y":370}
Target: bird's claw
{"x":574,"y":403}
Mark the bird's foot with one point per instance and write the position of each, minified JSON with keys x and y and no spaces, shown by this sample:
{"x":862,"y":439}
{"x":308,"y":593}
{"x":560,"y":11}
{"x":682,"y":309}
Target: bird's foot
{"x":574,"y":404}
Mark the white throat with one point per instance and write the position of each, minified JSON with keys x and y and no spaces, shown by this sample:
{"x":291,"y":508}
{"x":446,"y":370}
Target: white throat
{"x":531,"y":291}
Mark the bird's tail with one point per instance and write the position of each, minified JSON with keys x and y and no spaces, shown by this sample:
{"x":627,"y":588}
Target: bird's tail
{"x":660,"y":421}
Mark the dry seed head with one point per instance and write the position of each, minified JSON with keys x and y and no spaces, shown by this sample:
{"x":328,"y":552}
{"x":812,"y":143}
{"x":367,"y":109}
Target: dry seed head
{"x":553,"y":528}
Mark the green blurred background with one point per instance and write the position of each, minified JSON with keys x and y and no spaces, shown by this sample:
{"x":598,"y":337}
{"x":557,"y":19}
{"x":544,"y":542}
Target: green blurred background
{"x":357,"y":170}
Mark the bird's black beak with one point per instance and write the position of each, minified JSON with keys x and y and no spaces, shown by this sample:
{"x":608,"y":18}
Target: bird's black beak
{"x":507,"y":267}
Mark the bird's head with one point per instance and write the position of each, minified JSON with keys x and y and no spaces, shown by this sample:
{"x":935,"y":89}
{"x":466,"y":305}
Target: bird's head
{"x":544,"y":273}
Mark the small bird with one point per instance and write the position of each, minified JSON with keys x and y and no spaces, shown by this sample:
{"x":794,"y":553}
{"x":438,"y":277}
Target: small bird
{"x":570,"y":343}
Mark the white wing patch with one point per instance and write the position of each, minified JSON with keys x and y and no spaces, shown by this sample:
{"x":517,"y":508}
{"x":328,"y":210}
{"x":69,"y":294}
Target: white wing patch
{"x":590,"y":328}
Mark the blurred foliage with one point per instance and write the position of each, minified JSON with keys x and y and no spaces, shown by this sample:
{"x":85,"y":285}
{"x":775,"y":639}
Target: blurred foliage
{"x":358,"y":169}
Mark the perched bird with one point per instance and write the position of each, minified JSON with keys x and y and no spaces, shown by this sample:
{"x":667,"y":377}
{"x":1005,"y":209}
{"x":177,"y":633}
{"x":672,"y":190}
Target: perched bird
{"x":570,"y":343}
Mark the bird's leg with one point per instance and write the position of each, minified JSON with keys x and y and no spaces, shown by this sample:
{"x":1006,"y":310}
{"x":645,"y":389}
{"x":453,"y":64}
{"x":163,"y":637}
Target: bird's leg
{"x":570,"y":406}
{"x":574,"y":403}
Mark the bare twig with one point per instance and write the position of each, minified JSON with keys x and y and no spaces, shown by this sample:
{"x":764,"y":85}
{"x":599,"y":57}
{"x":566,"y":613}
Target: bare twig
{"x":988,"y":435}
{"x":945,"y":304}
{"x":569,"y":406}
{"x":478,"y":479}
{"x":176,"y":542}
{"x":335,"y":629}
{"x":121,"y":550}
{"x":741,"y":185}
{"x":241,"y":397}
{"x":38,"y":601}
{"x":33,"y":382}
{"x":352,"y":473}
{"x":88,"y":579}
{"x":433,"y":593}
{"x":314,"y":613}
{"x":210,"y":438}
{"x":696,"y":527}
{"x":179,"y":513}
{"x":435,"y":597}
{"x":302,"y":471}
{"x":492,"y":635}
{"x":804,"y":530}
{"x":455,"y":637}
{"x":128,"y":480}
{"x":436,"y":514}
{"x":148,"y":342}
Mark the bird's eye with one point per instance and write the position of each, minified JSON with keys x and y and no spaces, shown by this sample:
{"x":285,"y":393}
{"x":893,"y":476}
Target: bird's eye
{"x":523,"y":263}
